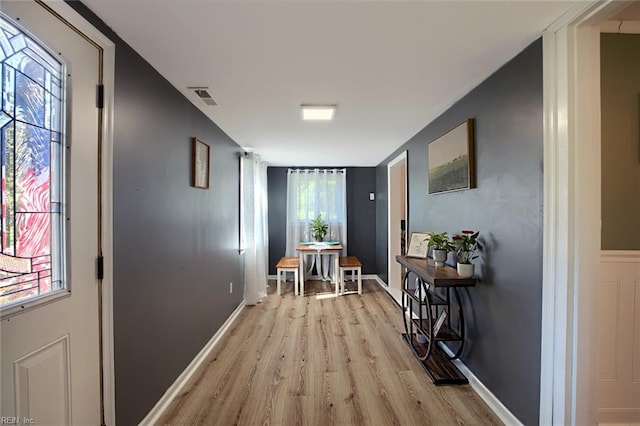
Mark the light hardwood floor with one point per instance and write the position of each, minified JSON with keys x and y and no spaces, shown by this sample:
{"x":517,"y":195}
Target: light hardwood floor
{"x":320,"y":360}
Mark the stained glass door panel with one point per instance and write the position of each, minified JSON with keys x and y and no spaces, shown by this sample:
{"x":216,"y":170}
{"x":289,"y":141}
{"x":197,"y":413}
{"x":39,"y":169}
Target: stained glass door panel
{"x":31,"y":155}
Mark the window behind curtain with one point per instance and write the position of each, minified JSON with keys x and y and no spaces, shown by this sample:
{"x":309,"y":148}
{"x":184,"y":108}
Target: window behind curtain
{"x":315,"y":198}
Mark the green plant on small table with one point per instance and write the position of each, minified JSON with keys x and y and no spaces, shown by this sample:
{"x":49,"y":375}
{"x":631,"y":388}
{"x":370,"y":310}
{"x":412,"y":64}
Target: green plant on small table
{"x":441,"y":246}
{"x":465,"y":245}
{"x":318,"y":228}
{"x":440,"y":241}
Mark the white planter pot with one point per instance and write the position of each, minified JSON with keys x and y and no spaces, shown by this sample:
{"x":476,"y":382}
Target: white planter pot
{"x":440,"y":256}
{"x":465,"y":270}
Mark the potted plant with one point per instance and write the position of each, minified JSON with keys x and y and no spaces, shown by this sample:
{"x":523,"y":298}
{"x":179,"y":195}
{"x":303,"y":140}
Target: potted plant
{"x":441,"y":246}
{"x":466,"y":244}
{"x":318,"y":228}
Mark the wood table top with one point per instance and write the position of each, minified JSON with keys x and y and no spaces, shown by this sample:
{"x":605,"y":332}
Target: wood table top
{"x":439,"y":276}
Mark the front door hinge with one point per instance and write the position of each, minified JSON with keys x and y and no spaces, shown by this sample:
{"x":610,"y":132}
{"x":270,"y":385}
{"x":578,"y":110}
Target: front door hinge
{"x":100,"y":96}
{"x":100,"y":267}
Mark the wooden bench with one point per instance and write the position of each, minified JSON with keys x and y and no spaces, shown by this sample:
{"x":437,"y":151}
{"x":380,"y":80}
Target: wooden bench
{"x":288,"y":264}
{"x":350,"y":263}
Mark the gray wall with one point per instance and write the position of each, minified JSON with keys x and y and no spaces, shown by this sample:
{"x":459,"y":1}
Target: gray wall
{"x":620,"y":89}
{"x":504,"y":311}
{"x":175,"y":247}
{"x":361,"y":215}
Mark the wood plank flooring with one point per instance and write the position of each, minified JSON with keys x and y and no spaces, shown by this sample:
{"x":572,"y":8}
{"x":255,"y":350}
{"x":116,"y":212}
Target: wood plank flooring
{"x":320,"y":360}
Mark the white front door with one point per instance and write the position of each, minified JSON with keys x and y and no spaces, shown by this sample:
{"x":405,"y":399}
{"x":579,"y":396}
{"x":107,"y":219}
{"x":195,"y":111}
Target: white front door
{"x":50,"y":354}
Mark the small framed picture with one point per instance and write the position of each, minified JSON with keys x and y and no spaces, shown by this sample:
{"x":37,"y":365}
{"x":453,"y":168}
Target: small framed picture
{"x":418,"y":245}
{"x":200,"y":165}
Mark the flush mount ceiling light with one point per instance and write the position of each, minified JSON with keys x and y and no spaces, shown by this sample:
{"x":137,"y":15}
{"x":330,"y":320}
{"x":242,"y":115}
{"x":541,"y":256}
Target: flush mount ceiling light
{"x":318,"y":112}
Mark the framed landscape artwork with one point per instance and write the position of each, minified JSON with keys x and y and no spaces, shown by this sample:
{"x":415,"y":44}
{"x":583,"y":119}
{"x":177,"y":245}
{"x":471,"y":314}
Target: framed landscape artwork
{"x":200,"y":165}
{"x":451,"y":160}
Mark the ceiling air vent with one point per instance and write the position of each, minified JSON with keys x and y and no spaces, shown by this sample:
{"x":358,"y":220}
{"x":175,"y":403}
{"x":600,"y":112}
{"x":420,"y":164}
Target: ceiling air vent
{"x":204,"y":93}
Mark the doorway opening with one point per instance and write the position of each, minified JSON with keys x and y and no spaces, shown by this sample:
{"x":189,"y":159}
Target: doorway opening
{"x":572,"y":214}
{"x":397,"y":226}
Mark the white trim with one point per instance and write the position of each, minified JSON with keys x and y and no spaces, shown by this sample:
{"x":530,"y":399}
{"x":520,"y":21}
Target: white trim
{"x":483,"y":392}
{"x":108,"y":80}
{"x":379,"y":280}
{"x":587,"y":233}
{"x":107,"y":236}
{"x":397,"y":297}
{"x":172,"y":392}
{"x":620,"y":256}
{"x":75,"y":19}
{"x":571,"y":214}
{"x":27,"y":305}
{"x":549,"y":271}
{"x":241,"y":234}
{"x":402,"y":157}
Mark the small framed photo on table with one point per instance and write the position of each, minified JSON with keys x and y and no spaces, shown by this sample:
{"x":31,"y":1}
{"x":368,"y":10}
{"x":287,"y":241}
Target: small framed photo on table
{"x":200,"y":164}
{"x":418,"y":245}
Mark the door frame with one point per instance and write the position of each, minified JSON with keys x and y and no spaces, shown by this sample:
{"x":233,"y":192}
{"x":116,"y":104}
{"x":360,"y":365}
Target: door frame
{"x":572,"y":203}
{"x":73,"y":19}
{"x":402,"y":157}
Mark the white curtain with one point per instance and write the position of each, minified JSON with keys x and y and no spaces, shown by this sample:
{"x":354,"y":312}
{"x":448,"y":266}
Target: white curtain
{"x":311,"y":193}
{"x":255,"y":230}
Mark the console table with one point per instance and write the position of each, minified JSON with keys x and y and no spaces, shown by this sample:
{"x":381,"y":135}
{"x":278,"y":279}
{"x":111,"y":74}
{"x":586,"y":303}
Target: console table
{"x":423,"y":303}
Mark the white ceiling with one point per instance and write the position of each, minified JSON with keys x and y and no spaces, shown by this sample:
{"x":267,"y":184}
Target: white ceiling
{"x":391,"y":66}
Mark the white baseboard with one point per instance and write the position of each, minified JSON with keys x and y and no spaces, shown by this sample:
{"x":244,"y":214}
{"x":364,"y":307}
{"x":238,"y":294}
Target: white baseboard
{"x":489,"y":398}
{"x":371,"y":277}
{"x":183,"y":378}
{"x":379,"y":281}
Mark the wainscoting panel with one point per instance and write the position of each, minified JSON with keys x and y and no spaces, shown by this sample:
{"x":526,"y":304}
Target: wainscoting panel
{"x":609,"y":295}
{"x":636,"y":336}
{"x":42,"y":384}
{"x":619,"y":337}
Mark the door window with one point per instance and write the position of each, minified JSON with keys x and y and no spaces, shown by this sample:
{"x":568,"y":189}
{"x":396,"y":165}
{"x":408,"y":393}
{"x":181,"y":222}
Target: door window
{"x":32,"y":157}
